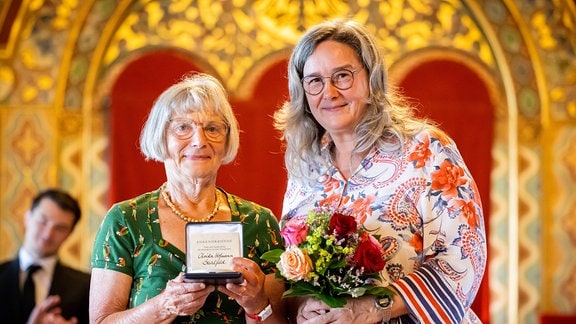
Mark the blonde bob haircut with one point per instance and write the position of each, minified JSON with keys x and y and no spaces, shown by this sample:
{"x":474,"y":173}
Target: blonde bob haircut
{"x":195,"y":93}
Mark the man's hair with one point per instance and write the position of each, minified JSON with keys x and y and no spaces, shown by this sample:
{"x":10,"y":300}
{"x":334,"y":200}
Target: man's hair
{"x":62,"y":199}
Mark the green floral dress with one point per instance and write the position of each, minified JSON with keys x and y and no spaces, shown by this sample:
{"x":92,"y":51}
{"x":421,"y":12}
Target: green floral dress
{"x":130,"y":241}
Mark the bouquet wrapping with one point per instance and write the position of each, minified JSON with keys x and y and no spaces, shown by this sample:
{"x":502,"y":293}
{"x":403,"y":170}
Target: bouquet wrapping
{"x":330,"y":257}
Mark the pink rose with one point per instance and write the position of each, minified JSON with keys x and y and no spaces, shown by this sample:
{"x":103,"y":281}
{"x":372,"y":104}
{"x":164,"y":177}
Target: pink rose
{"x":369,"y":254}
{"x":294,"y":264}
{"x":342,"y":225}
{"x":294,"y":232}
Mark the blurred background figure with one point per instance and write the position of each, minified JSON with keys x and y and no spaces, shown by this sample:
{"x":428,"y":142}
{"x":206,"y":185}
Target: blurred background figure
{"x":36,"y":287}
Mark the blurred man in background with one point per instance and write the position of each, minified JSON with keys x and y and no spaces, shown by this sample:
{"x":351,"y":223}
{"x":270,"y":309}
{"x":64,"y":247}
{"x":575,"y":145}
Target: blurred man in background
{"x":35,"y":286}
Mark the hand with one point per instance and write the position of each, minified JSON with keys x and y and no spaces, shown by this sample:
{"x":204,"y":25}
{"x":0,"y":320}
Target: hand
{"x":356,"y":310}
{"x":49,"y":312}
{"x":310,"y":308}
{"x":183,"y":298}
{"x":249,"y":294}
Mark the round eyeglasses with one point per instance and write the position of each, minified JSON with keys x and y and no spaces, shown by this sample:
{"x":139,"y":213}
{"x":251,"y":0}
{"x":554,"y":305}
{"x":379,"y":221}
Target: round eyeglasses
{"x":342,"y":79}
{"x":183,"y":129}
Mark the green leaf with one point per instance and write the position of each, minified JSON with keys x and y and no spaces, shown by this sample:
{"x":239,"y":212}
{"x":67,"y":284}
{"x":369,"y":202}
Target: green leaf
{"x":338,"y":263}
{"x":301,"y":289}
{"x":307,"y":291}
{"x":379,"y":291}
{"x":272,"y":255}
{"x":334,"y":302}
{"x":297,"y":292}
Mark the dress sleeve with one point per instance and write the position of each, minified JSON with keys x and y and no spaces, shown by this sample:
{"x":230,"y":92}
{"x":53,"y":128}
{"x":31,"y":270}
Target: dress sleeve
{"x":114,"y":243}
{"x":445,"y":283}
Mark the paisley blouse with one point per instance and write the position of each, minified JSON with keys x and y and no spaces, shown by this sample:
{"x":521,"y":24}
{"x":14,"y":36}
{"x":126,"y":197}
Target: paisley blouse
{"x":423,"y":203}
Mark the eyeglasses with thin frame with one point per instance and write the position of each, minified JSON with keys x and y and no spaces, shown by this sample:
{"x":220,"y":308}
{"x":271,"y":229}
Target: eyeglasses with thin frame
{"x":183,"y":129}
{"x":342,"y":79}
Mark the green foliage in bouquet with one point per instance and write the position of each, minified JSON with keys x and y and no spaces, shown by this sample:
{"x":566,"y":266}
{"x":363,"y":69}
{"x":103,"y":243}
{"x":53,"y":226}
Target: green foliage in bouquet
{"x":330,"y":257}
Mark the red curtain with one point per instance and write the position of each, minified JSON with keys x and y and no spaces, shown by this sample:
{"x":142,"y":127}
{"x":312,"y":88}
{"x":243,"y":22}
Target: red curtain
{"x":258,"y":173}
{"x":454,"y":96}
{"x":131,"y":99}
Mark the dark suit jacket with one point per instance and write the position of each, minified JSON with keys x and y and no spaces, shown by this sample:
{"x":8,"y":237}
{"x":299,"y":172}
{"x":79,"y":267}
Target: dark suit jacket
{"x":71,"y":285}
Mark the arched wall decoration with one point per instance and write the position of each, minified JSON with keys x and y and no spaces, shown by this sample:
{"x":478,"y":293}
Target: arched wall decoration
{"x":409,"y":61}
{"x":248,"y":85}
{"x":137,"y":22}
{"x":114,"y":48}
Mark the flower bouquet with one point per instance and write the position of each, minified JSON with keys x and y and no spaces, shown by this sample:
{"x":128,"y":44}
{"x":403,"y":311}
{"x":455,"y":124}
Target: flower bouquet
{"x":330,"y":257}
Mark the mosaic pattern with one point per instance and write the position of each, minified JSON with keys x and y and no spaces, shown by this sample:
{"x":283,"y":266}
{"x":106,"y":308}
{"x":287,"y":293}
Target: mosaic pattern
{"x":529,"y":253}
{"x":52,"y":121}
{"x":563,"y":228}
{"x":499,"y":235}
{"x":223,"y":34}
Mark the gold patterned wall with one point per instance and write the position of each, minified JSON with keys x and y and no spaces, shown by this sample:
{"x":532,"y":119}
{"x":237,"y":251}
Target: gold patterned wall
{"x":61,"y":56}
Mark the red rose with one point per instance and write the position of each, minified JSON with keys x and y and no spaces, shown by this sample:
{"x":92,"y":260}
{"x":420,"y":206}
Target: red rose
{"x":342,"y":225}
{"x":369,"y":254}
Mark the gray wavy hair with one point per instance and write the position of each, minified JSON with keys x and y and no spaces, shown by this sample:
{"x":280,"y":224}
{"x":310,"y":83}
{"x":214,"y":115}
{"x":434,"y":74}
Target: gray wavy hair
{"x":387,"y":116}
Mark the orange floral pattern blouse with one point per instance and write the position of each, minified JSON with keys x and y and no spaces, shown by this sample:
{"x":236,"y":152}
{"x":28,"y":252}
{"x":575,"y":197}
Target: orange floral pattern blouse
{"x":424,"y":204}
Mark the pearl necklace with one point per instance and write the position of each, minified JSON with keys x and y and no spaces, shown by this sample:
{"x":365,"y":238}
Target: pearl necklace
{"x":178,"y":213}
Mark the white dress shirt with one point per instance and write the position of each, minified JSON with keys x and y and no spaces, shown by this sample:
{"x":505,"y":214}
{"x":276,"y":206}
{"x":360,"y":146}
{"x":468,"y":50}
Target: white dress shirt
{"x":42,"y":278}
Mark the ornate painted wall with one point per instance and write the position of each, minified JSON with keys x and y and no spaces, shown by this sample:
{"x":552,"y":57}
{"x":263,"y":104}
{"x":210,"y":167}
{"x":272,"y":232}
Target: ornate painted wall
{"x":58,"y":58}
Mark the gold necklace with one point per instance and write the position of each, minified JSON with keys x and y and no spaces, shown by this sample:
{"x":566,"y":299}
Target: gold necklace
{"x":178,"y":213}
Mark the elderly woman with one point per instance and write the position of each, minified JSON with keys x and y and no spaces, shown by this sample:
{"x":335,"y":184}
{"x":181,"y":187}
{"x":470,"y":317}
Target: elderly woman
{"x":138,"y":255}
{"x":353,"y":145}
